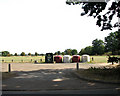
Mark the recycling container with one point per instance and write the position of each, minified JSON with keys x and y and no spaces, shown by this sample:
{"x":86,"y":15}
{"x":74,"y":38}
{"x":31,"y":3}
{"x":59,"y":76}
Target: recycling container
{"x":85,"y":58}
{"x":49,"y":58}
{"x":76,"y":58}
{"x":58,"y":59}
{"x":66,"y":59}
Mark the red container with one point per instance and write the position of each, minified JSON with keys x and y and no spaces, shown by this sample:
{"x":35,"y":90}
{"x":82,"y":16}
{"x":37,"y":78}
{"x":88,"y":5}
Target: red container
{"x":76,"y":58}
{"x":58,"y":59}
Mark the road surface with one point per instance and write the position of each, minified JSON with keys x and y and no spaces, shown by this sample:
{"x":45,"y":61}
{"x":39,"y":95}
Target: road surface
{"x":54,"y":77}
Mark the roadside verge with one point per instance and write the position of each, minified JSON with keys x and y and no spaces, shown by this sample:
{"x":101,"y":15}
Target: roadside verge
{"x":93,"y":80}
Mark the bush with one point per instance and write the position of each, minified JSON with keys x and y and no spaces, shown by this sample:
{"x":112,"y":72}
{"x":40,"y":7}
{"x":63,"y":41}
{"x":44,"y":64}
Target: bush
{"x":15,"y":54}
{"x":105,"y":71}
{"x":23,"y":54}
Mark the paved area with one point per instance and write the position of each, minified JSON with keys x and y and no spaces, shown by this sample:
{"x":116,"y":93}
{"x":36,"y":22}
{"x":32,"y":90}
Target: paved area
{"x":51,"y":77}
{"x":33,"y":67}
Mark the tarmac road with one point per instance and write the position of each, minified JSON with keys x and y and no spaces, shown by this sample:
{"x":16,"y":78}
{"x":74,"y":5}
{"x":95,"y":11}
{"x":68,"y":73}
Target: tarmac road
{"x":54,"y":80}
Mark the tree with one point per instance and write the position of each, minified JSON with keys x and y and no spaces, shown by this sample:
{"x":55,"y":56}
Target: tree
{"x":42,"y":54}
{"x":86,"y":50}
{"x":63,"y":53}
{"x":0,"y":53}
{"x":74,"y":52}
{"x":98,"y":47}
{"x":36,"y":54}
{"x":58,"y":52}
{"x":29,"y":54}
{"x":68,"y":52}
{"x":94,"y":9}
{"x":22,"y":54}
{"x":89,"y":50}
{"x":55,"y":53}
{"x":118,"y":38}
{"x":112,"y":43}
{"x":82,"y":51}
{"x":5,"y":53}
{"x":15,"y":54}
{"x":9,"y":55}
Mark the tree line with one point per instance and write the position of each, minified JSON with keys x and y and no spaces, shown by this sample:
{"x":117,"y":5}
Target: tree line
{"x":110,"y":46}
{"x":7,"y":53}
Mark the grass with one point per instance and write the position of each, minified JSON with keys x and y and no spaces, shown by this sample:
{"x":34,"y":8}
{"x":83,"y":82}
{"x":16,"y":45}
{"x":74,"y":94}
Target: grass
{"x":99,"y":59}
{"x":104,"y":74}
{"x":6,"y":75}
{"x":27,"y":59}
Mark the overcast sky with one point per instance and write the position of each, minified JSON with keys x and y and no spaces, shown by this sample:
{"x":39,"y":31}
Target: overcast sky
{"x":45,"y":26}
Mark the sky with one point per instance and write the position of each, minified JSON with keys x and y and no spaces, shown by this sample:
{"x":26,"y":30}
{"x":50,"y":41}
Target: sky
{"x":45,"y":26}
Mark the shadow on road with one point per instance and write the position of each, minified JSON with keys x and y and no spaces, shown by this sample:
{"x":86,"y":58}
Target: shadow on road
{"x":50,"y":79}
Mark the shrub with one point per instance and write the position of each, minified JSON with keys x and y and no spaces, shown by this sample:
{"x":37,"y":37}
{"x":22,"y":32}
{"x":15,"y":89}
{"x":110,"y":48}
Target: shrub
{"x":23,"y":54}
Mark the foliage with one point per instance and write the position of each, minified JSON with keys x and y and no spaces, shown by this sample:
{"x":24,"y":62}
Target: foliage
{"x":106,"y":74}
{"x":0,"y":53}
{"x":112,"y":43}
{"x":86,"y":50}
{"x":9,"y":55}
{"x":5,"y":53}
{"x":113,"y":59}
{"x":42,"y":54}
{"x":105,"y":71}
{"x":22,"y":54}
{"x":63,"y":53}
{"x":68,"y":52}
{"x":82,"y":51}
{"x":94,"y":9}
{"x":36,"y":54}
{"x":57,"y":53}
{"x":74,"y":52}
{"x":15,"y":54}
{"x":98,"y":47}
{"x":29,"y":54}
